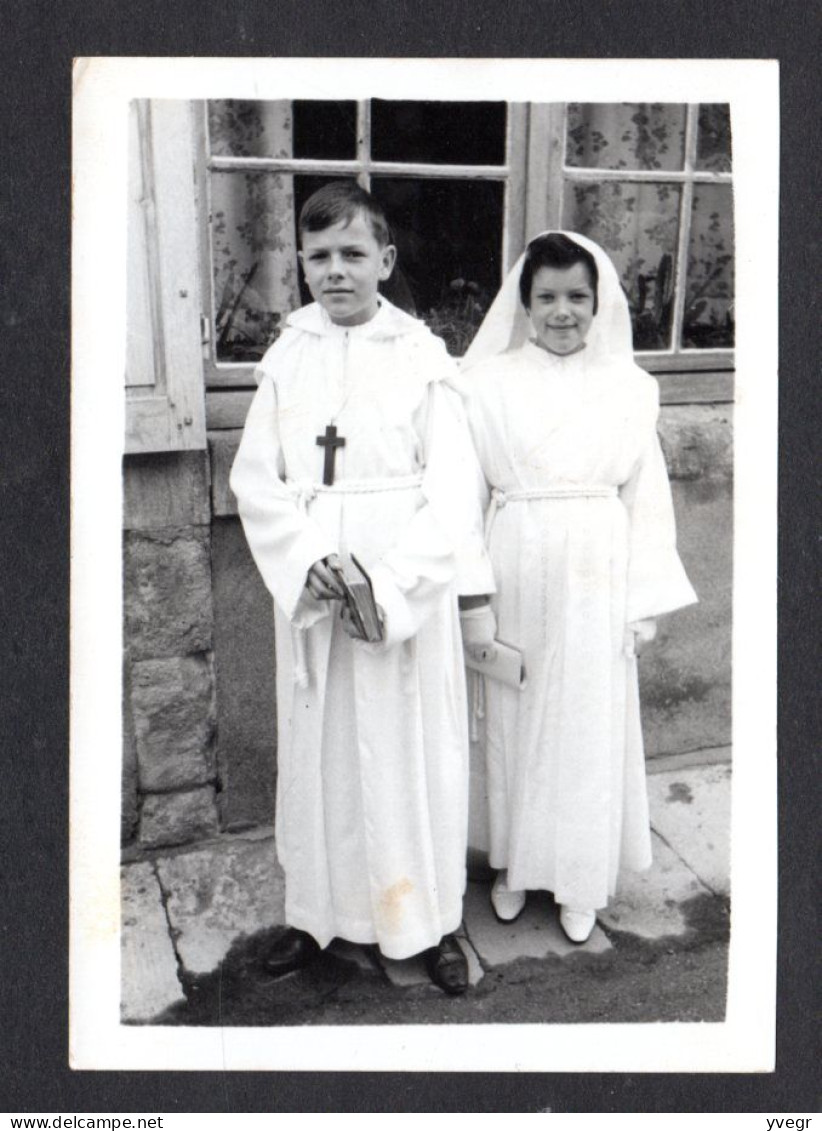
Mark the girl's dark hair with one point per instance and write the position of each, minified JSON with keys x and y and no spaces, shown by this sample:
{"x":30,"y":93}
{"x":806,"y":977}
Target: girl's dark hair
{"x":342,"y":200}
{"x":555,"y":250}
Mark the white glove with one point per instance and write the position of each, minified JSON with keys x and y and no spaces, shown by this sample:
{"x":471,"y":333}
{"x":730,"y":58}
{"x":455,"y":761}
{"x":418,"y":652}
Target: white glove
{"x":479,"y":628}
{"x":637,"y":635}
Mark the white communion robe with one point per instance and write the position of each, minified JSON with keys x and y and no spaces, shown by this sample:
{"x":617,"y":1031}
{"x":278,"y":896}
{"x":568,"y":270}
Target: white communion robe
{"x":582,"y":543}
{"x":372,"y":786}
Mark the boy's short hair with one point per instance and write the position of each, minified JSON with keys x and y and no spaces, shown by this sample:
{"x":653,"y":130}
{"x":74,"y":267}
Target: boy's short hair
{"x":555,"y":250}
{"x":342,"y":200}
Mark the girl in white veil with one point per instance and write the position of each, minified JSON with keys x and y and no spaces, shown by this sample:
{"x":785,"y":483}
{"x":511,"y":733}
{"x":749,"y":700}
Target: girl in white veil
{"x":581,"y":535}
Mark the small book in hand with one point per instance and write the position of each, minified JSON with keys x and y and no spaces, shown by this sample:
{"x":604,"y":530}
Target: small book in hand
{"x":507,"y":665}
{"x":359,"y":597}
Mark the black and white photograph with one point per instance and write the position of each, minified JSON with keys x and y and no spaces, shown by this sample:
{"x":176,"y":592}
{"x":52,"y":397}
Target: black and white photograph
{"x":409,"y":634}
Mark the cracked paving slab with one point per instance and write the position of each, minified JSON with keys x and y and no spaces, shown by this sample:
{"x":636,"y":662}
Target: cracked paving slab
{"x":535,"y":934}
{"x":149,"y":982}
{"x":691,"y":810}
{"x":647,"y":904}
{"x":219,"y":893}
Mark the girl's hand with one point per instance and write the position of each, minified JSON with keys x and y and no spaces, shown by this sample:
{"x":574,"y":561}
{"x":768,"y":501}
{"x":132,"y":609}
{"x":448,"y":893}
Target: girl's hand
{"x":322,"y":582}
{"x":638,"y":636}
{"x":479,"y":628}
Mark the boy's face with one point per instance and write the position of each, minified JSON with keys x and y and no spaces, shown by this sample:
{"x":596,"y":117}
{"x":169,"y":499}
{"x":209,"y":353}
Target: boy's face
{"x":343,"y":266}
{"x":562,"y":307}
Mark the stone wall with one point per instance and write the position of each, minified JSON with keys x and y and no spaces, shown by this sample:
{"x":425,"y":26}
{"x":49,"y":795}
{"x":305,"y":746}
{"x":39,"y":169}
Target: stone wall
{"x":199,"y":674}
{"x":170,"y":780}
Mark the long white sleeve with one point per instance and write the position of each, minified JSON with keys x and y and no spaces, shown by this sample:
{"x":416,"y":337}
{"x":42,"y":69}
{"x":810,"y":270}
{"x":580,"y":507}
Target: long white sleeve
{"x":444,"y":537}
{"x":657,"y":582}
{"x":284,"y":541}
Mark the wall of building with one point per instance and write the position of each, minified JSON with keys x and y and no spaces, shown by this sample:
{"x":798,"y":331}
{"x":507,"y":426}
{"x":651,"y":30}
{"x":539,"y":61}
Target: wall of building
{"x":200,"y":708}
{"x":170,"y":780}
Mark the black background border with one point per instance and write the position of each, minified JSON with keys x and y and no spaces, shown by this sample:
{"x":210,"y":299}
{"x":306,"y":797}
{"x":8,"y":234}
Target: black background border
{"x":37,"y":44}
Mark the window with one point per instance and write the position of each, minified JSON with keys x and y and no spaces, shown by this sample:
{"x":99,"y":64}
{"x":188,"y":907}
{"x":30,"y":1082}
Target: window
{"x":651,"y":182}
{"x":448,"y":174}
{"x":165,"y":408}
{"x":465,"y":185}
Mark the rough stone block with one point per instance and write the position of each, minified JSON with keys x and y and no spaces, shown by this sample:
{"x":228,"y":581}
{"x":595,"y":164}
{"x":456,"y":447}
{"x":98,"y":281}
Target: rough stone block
{"x":219,"y":893}
{"x":166,"y":489}
{"x":129,"y":777}
{"x":697,"y":440}
{"x":148,"y":964}
{"x":178,"y":818}
{"x":167,"y":592}
{"x":174,"y":721}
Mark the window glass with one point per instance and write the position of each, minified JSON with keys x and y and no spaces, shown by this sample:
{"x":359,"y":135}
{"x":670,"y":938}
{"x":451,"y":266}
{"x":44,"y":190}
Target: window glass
{"x":253,"y":261}
{"x":322,"y":130}
{"x":713,"y":146}
{"x":325,"y":130}
{"x":626,"y":135}
{"x":453,"y":133}
{"x":709,"y":310}
{"x":637,"y":225}
{"x":449,"y":241}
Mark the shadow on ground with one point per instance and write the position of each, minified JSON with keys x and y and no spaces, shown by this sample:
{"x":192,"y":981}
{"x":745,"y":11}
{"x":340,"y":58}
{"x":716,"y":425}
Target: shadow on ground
{"x":677,"y":978}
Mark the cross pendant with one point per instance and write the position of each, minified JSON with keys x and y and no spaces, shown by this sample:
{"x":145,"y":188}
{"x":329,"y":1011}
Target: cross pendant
{"x":330,"y":441}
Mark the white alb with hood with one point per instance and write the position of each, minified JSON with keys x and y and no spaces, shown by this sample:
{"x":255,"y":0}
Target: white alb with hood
{"x":372,"y":762}
{"x":582,"y":542}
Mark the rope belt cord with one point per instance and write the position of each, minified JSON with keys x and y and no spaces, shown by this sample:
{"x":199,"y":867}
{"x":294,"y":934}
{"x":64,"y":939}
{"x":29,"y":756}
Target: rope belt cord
{"x":500,"y":497}
{"x":304,"y":495}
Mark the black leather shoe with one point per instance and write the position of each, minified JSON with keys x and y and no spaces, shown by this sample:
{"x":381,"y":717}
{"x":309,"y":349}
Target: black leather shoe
{"x":292,"y":950}
{"x":447,"y":966}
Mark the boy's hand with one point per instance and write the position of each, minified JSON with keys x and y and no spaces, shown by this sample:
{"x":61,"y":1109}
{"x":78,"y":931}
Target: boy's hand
{"x":322,"y":582}
{"x":479,"y":627}
{"x":350,"y":627}
{"x":638,"y":636}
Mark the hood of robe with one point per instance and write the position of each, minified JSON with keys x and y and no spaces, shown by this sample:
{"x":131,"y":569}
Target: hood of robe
{"x":388,"y":322}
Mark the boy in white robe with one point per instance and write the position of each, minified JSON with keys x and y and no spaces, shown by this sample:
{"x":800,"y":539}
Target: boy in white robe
{"x":353,"y":443}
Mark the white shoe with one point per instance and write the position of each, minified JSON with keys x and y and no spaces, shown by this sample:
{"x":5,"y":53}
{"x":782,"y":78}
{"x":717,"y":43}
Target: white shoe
{"x":507,"y":904}
{"x":577,"y":925}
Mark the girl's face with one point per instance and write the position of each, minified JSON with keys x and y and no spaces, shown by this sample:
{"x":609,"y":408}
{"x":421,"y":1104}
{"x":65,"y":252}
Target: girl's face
{"x":562,"y":307}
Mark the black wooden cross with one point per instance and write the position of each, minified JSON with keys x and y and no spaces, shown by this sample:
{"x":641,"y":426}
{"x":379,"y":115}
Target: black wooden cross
{"x":330,"y":441}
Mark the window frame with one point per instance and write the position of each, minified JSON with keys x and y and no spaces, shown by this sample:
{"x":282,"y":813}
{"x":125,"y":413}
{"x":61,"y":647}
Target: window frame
{"x":165,"y":405}
{"x":225,"y":375}
{"x":560,"y":176}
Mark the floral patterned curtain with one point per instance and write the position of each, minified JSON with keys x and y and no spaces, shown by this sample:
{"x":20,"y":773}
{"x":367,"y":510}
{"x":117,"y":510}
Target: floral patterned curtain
{"x":639,"y":223}
{"x":254,"y":251}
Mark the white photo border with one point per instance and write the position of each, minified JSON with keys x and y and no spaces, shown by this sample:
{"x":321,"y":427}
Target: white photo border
{"x":745,"y":1041}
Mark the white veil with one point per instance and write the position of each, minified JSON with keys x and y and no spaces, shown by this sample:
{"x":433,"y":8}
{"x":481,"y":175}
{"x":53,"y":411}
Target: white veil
{"x":506,"y":325}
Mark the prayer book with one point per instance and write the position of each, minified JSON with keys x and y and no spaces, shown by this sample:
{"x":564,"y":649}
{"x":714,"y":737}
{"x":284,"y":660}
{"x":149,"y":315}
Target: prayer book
{"x":359,"y":597}
{"x":507,"y":665}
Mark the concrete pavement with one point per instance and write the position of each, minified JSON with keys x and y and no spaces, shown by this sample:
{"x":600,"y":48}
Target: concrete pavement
{"x":184,"y":910}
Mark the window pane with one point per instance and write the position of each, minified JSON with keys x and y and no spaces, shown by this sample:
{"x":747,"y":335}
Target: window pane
{"x":249,"y":129}
{"x":449,"y":241}
{"x":637,"y":225}
{"x":254,"y":261}
{"x":709,"y":299}
{"x":326,"y":130}
{"x":713,"y":146}
{"x":626,"y":135}
{"x":452,"y":133}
